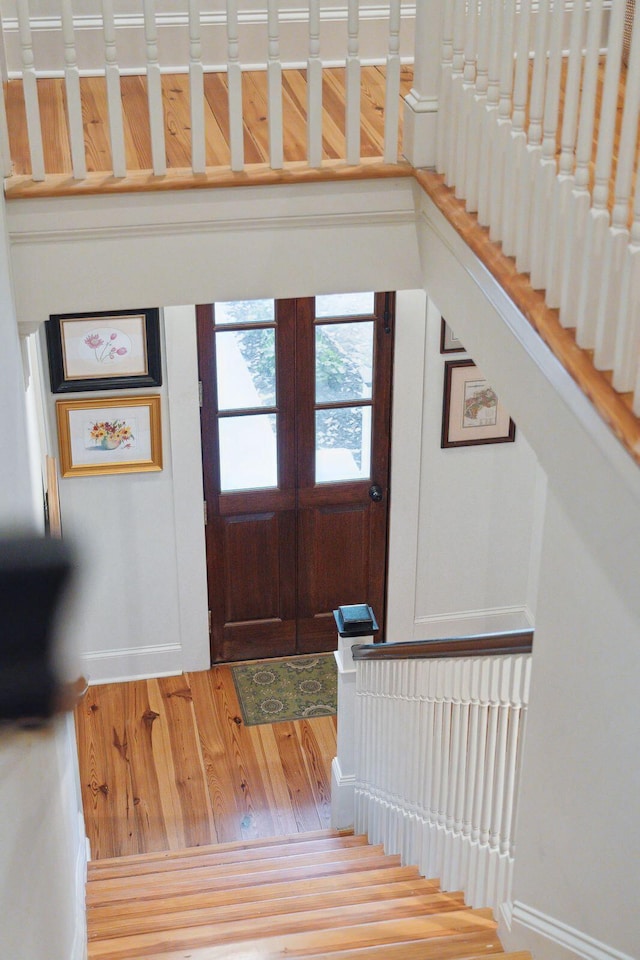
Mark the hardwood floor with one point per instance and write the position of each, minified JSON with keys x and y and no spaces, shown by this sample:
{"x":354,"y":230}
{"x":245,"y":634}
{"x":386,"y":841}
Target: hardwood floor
{"x":169,"y":763}
{"x":175,"y":95}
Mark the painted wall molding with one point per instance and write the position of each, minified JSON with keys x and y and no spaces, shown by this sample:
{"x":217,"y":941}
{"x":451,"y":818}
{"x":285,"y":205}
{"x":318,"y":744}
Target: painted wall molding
{"x":518,"y":920}
{"x":489,"y":620}
{"x":133,"y":663}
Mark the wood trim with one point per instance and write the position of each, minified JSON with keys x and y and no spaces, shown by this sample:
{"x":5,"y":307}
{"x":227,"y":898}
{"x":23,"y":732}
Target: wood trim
{"x":481,"y":645}
{"x":254,"y":175}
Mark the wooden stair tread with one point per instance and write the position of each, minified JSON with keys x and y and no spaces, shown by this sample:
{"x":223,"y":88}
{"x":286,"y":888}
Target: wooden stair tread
{"x":222,"y":854}
{"x":274,"y":910}
{"x":304,"y":943}
{"x":260,"y":871}
{"x":223,"y":895}
{"x":468,"y":947}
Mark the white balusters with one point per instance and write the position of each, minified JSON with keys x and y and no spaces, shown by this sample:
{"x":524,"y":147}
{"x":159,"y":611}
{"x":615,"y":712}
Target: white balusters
{"x":598,"y":220}
{"x":545,"y":173}
{"x":446,"y":66}
{"x":499,"y":159}
{"x":579,"y":205}
{"x":314,"y":88}
{"x":627,"y":347}
{"x":234,"y":83}
{"x":616,"y":245}
{"x":564,"y":183}
{"x":154,"y":90}
{"x":274,"y":89}
{"x":534,"y":141}
{"x":475,"y":126}
{"x":114,"y":97}
{"x":72,"y":89}
{"x":466,"y":107}
{"x":196,"y":89}
{"x":437,"y":765}
{"x":392,"y":88}
{"x":488,"y":129}
{"x":30,"y":88}
{"x":518,"y":138}
{"x":353,"y":85}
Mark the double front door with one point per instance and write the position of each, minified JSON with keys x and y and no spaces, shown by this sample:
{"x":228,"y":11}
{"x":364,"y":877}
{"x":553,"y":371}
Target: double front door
{"x":295,"y":432}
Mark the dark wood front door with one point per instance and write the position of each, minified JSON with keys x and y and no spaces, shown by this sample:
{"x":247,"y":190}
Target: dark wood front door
{"x":296,"y":399}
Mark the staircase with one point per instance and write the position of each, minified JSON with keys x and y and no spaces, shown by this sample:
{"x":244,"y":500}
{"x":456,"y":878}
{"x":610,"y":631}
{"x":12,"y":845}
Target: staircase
{"x":321,"y":894}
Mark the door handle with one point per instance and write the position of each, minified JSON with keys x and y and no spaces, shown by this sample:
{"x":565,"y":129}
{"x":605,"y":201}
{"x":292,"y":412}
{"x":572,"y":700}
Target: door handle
{"x":375,"y":492}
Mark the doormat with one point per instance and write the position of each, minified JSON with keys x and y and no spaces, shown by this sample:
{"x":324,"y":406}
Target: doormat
{"x":294,"y":688}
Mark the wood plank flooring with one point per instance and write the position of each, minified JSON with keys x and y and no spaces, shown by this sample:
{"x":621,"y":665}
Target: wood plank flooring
{"x":175,"y":96}
{"x":168,"y":763}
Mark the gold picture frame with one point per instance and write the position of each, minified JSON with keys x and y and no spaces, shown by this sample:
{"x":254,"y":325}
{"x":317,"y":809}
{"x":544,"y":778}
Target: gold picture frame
{"x":109,"y":435}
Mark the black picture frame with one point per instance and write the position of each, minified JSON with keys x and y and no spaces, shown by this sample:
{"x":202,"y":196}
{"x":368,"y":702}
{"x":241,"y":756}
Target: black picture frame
{"x":59,"y":333}
{"x":449,"y":343}
{"x":464,"y":385}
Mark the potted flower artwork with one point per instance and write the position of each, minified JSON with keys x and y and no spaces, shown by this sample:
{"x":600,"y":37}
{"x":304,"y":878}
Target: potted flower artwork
{"x":111,"y":434}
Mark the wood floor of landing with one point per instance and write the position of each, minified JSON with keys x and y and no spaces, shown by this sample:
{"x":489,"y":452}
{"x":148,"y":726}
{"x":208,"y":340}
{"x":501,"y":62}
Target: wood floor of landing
{"x":168,"y":763}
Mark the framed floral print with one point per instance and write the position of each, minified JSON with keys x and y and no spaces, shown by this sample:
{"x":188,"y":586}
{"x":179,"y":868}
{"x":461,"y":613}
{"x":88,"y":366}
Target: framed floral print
{"x":472,"y":413}
{"x":109,"y":435}
{"x":104,"y":351}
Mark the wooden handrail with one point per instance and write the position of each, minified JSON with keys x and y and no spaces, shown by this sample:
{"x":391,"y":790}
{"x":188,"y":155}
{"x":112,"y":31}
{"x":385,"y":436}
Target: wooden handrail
{"x":481,"y":645}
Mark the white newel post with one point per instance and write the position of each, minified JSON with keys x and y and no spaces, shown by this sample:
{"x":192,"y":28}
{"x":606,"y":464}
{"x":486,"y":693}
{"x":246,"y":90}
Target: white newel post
{"x":343,"y":765}
{"x":421,"y":104}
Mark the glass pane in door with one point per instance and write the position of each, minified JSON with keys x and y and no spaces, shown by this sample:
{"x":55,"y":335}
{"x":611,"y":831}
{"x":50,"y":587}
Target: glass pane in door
{"x":343,"y":444}
{"x":244,"y":311}
{"x":248,"y":452}
{"x":344,"y":361}
{"x":345,"y":305}
{"x":246,"y":368}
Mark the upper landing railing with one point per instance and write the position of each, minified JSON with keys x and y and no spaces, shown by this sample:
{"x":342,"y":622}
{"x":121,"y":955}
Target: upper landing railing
{"x":528,"y":109}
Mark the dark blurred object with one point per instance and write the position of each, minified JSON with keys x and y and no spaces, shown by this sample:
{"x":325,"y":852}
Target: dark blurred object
{"x":33,"y":574}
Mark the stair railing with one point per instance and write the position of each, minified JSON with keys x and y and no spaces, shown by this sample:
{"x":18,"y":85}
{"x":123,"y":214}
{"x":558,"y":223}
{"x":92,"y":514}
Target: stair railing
{"x":191,"y":60}
{"x":439,"y":728}
{"x":560,"y":199}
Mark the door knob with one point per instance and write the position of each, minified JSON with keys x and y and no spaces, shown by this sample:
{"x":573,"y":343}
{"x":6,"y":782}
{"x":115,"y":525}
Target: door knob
{"x":375,"y":492}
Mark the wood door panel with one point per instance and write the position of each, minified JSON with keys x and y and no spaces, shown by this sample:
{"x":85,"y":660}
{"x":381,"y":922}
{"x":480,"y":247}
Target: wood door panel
{"x":257,"y":640}
{"x":254,"y":585}
{"x":332,"y":557}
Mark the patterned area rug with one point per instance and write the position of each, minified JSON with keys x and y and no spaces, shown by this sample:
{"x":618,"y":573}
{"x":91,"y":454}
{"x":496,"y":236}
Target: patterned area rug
{"x":294,"y":688}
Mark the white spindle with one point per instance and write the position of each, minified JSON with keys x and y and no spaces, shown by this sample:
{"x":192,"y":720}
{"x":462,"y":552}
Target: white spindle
{"x":196,"y":89}
{"x":541,"y":222}
{"x":518,"y":137}
{"x":457,"y":68}
{"x":502,"y":132}
{"x":627,"y":347}
{"x":465,"y":107}
{"x":579,"y":205}
{"x":444,"y":124}
{"x":29,"y":85}
{"x":154,"y":90}
{"x":564,"y":182}
{"x":475,"y":127}
{"x":392,"y":89}
{"x":615,"y":249}
{"x":534,"y":141}
{"x":5,"y":148}
{"x":488,"y":129}
{"x":353,"y":85}
{"x":314,"y":88}
{"x":598,"y":220}
{"x":114,"y":96}
{"x":72,"y":90}
{"x":234,"y":84}
{"x":274,"y":88}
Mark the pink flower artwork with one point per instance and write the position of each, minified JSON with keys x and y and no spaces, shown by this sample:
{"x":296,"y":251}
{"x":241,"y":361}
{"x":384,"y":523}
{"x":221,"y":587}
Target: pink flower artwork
{"x":111,"y":350}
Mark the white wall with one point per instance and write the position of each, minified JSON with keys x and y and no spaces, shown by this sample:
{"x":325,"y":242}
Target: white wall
{"x":42,"y":846}
{"x":462,"y":519}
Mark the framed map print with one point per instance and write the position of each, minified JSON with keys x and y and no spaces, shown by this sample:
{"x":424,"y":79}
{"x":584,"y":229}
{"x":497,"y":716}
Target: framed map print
{"x":100,"y":351}
{"x":472,"y":413}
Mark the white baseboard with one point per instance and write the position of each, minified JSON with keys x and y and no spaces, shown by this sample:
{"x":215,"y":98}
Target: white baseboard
{"x":173,"y":38}
{"x":133,"y":663}
{"x":342,"y":797}
{"x":522,"y":927}
{"x":79,"y":949}
{"x":468,"y":622}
